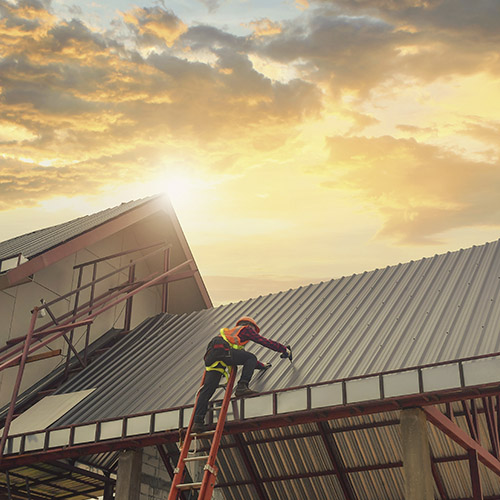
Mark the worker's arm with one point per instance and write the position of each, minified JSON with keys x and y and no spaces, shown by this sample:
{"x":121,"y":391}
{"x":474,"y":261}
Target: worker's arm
{"x":248,"y":333}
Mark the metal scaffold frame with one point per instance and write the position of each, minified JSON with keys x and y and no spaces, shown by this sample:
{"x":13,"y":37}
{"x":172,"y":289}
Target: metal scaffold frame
{"x":17,"y":351}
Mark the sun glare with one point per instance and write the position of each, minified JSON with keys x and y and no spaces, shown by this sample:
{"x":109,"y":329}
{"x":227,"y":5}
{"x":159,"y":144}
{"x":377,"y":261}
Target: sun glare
{"x":178,"y":188}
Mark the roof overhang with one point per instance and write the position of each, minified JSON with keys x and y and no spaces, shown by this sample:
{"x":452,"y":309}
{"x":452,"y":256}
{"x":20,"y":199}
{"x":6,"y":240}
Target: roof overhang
{"x":438,"y":383}
{"x":22,"y":272}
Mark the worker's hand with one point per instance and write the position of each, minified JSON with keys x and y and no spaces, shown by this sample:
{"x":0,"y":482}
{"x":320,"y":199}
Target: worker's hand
{"x":287,"y":354}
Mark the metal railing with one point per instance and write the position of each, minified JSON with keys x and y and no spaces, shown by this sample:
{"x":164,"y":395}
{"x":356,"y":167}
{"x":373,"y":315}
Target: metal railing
{"x":17,"y":350}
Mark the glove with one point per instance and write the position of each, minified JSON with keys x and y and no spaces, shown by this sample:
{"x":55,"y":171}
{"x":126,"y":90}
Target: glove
{"x":287,"y":354}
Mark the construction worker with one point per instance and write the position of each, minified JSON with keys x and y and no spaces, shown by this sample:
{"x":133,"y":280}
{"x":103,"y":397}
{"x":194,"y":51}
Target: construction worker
{"x":228,"y":349}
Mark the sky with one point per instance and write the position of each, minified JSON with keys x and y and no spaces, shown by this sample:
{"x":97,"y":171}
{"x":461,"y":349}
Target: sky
{"x":299,"y":140}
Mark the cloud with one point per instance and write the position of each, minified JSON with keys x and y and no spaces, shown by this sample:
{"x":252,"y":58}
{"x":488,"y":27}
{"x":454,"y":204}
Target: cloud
{"x":343,"y":53}
{"x":361,"y":45}
{"x":154,"y":26}
{"x":460,"y":17}
{"x":84,"y":98}
{"x":420,"y":190}
{"x":83,"y":109}
{"x":265,"y":27}
{"x":211,"y":5}
{"x":486,"y":131}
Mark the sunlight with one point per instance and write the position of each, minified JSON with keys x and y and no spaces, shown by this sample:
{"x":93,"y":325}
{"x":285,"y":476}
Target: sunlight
{"x":180,"y":189}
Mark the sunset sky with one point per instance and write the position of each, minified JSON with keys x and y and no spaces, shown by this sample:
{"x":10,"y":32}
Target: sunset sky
{"x":299,"y":140}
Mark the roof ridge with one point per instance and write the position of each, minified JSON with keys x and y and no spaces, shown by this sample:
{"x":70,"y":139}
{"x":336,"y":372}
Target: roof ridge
{"x":13,"y":246}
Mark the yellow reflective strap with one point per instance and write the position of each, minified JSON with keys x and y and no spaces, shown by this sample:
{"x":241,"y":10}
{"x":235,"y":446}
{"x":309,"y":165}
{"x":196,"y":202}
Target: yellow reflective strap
{"x":214,"y":367}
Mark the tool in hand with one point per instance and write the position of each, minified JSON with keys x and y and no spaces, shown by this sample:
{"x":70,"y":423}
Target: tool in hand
{"x":287,"y":354}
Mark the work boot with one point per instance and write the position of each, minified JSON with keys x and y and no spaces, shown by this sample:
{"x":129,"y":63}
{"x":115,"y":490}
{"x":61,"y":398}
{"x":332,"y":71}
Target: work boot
{"x":199,"y":427}
{"x":243,"y":390}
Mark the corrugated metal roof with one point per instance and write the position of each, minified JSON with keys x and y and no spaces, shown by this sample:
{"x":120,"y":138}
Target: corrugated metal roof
{"x":437,"y":309}
{"x":37,"y":242}
{"x":432,"y":310}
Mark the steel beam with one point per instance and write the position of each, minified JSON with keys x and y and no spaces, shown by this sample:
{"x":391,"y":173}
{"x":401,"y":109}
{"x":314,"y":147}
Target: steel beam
{"x":492,"y":425}
{"x":166,"y":266}
{"x":437,"y":480}
{"x":256,"y":482}
{"x":119,"y":254}
{"x":336,"y":460}
{"x":63,"y":327}
{"x":235,"y":427}
{"x":17,"y":384}
{"x":459,"y":436}
{"x":477,"y":489}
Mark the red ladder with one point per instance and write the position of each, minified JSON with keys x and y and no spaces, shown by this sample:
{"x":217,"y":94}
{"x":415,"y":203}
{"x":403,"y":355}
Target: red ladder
{"x":206,"y":486}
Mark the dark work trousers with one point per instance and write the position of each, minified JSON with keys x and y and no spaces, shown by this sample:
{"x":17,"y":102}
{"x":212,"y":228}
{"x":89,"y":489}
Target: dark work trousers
{"x":212,"y":379}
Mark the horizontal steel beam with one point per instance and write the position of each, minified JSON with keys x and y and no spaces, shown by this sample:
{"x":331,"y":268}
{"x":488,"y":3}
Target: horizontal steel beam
{"x":100,"y":442}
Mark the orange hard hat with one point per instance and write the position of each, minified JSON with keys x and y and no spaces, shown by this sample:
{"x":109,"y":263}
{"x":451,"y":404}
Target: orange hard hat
{"x":247,"y":319}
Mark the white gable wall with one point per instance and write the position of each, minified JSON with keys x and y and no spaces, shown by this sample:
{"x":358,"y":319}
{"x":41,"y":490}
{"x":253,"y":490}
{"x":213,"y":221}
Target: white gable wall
{"x":58,"y":279}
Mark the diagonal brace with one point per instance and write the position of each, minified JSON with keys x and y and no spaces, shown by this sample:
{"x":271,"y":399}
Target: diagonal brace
{"x":454,"y":432}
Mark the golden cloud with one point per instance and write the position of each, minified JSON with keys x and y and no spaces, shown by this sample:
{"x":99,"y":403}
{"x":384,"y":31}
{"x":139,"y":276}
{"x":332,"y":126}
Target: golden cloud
{"x":420,"y":190}
{"x":265,"y":27}
{"x":155,"y":25}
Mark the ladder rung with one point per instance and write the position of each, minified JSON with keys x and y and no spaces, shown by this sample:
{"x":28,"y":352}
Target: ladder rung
{"x":201,"y":434}
{"x":194,"y":459}
{"x":189,"y":486}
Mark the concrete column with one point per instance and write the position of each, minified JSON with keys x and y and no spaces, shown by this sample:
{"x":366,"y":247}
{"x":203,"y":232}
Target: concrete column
{"x":128,"y":479}
{"x":419,"y":483}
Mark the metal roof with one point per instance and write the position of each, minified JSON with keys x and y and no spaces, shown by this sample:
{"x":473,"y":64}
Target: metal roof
{"x":438,"y":309}
{"x":431,"y":310}
{"x":37,"y":242}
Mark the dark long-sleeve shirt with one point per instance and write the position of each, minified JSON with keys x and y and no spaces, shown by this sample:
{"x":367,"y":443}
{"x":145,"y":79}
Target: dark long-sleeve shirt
{"x":248,"y":333}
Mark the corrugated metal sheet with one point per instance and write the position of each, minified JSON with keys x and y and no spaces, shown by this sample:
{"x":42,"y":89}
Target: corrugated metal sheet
{"x":47,"y":481}
{"x":436,"y":309}
{"x":37,"y":242}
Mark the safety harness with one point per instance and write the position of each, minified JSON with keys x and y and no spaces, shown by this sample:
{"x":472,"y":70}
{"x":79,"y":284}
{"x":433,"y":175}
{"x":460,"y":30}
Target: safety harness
{"x":220,"y":366}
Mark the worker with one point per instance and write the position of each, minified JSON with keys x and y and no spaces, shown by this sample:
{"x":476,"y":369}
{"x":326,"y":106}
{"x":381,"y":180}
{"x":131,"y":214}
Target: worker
{"x":228,"y":349}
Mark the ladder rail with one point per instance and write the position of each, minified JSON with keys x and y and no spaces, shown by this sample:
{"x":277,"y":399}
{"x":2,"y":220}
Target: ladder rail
{"x":207,"y":484}
{"x":179,"y":470}
{"x":209,"y":475}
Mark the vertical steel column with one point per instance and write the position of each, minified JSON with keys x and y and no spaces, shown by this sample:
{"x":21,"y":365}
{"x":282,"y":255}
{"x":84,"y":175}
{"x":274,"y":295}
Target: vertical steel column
{"x":28,"y":491}
{"x":128,"y":304}
{"x":75,"y":310}
{"x":7,"y":479}
{"x":108,"y":489}
{"x":166,"y":266}
{"x":477,"y":489}
{"x":17,"y":385}
{"x":91,"y":302}
{"x":492,"y":425}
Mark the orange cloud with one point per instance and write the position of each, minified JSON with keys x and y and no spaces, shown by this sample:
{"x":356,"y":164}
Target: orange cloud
{"x":155,"y":25}
{"x":265,"y":27}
